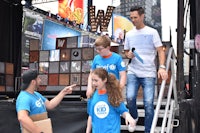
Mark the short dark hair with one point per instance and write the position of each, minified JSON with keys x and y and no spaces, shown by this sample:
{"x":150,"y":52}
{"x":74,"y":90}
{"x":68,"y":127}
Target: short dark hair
{"x":137,"y":8}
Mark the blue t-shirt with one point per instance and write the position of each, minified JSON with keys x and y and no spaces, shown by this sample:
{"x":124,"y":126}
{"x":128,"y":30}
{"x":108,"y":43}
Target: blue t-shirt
{"x":113,"y":64}
{"x":105,"y":117}
{"x":33,"y":103}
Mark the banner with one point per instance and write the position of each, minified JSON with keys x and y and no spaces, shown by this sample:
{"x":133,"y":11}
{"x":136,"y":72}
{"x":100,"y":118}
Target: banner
{"x":121,"y":25}
{"x":53,"y":30}
{"x":32,"y":25}
{"x":71,"y":10}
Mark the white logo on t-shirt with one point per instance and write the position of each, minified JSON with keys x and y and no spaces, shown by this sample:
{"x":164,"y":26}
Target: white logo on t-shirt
{"x":123,"y":64}
{"x":112,"y":67}
{"x":38,"y":103}
{"x":101,"y":109}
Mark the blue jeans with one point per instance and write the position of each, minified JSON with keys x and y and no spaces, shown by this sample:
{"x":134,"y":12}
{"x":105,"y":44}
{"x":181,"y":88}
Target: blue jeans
{"x":148,"y":85}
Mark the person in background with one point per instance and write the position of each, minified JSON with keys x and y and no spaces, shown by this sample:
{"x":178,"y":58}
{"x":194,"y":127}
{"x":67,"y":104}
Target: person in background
{"x":106,"y":105}
{"x":30,"y":102}
{"x":110,"y":61}
{"x":146,"y":42}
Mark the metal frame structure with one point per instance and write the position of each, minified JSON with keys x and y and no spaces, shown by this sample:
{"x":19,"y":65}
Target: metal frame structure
{"x":171,"y":106}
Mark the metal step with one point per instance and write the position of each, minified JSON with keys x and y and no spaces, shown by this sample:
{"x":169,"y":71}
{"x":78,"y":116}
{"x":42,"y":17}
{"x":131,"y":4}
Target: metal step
{"x":141,"y":113}
{"x":140,"y":102}
{"x":139,"y":128}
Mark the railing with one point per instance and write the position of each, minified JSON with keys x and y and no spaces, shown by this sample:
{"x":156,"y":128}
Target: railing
{"x":171,"y":104}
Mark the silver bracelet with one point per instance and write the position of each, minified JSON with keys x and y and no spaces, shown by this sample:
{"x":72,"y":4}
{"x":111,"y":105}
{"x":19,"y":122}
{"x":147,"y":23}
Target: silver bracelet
{"x":162,"y":66}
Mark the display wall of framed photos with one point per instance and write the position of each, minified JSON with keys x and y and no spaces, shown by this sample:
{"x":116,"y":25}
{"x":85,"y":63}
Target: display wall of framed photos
{"x":6,"y":77}
{"x":67,"y":64}
{"x":63,"y":66}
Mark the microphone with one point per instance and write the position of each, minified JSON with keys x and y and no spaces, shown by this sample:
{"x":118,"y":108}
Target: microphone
{"x":133,"y":49}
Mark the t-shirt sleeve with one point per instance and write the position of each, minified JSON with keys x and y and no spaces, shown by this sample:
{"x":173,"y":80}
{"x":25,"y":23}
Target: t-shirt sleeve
{"x":93,"y":66}
{"x":156,"y":39}
{"x":122,"y":108}
{"x":89,"y":107}
{"x":23,"y":103}
{"x":121,"y":64}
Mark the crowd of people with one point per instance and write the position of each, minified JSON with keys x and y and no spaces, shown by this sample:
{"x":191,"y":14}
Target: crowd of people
{"x":108,"y":77}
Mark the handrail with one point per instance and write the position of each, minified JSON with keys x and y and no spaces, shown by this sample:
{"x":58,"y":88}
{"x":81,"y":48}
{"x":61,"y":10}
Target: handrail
{"x":160,"y":96}
{"x":168,"y":100}
{"x":171,"y":117}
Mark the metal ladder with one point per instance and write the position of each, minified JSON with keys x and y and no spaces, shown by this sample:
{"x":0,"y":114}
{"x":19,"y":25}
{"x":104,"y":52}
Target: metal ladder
{"x":171,"y":107}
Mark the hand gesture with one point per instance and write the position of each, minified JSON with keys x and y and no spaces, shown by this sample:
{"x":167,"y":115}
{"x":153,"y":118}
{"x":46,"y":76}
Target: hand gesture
{"x":68,"y":89}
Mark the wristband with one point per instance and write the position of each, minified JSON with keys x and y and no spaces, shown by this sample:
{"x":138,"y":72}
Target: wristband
{"x":162,"y":66}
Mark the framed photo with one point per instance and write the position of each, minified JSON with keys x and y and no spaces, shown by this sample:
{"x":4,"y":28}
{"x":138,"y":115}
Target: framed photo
{"x":9,"y":80}
{"x":34,"y":56}
{"x":75,"y":66}
{"x":54,"y":67}
{"x":84,"y":78}
{"x":2,"y":67}
{"x":54,"y":55}
{"x":53,"y":79}
{"x":87,"y":53}
{"x":9,"y":68}
{"x":85,"y":41}
{"x":76,"y":54}
{"x":64,"y":79}
{"x":65,"y":54}
{"x":44,"y":79}
{"x":61,"y":43}
{"x":75,"y":79}
{"x":44,"y":56}
{"x":64,"y":67}
{"x":72,"y":42}
{"x":33,"y":66}
{"x":2,"y":88}
{"x":44,"y":67}
{"x":86,"y":66}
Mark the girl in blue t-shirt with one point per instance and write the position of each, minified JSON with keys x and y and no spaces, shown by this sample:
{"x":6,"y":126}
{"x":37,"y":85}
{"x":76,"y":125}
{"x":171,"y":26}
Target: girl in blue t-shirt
{"x":106,"y":105}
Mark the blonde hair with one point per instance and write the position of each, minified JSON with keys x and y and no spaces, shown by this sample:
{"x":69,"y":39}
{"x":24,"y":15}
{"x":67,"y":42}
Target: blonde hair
{"x":112,"y":86}
{"x":103,"y":41}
